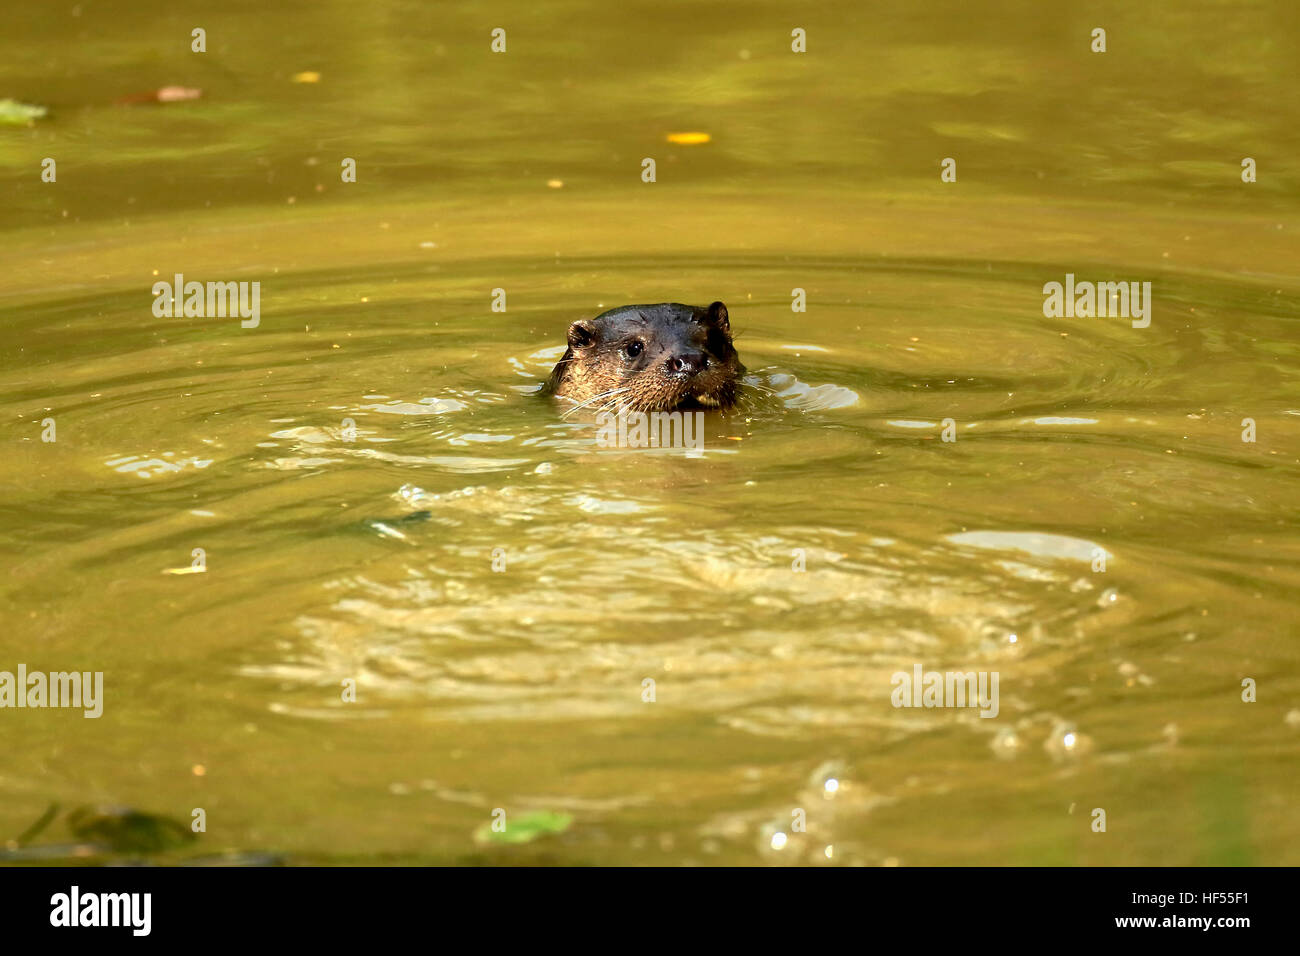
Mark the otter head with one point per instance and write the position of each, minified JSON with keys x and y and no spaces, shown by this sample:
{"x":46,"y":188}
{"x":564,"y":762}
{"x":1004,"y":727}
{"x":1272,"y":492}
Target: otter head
{"x":651,"y":358}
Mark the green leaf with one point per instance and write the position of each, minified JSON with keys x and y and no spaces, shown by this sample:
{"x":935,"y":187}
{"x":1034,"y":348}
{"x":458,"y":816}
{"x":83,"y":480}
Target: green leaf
{"x":525,"y":827}
{"x":13,"y":113}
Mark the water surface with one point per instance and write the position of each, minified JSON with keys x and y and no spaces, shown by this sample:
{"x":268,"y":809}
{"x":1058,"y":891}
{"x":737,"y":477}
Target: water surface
{"x":332,"y":555}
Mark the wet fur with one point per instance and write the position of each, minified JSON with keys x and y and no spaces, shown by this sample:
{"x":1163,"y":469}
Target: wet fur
{"x":686,"y":360}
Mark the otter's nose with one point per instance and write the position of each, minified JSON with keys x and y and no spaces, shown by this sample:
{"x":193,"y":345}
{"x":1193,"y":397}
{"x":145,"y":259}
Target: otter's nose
{"x":687,"y":363}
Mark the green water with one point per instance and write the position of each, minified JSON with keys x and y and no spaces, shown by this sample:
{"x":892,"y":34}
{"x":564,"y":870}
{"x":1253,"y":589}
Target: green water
{"x":523,"y":689}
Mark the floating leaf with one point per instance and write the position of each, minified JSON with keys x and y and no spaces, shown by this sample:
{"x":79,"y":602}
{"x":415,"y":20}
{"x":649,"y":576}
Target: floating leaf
{"x":13,"y":113}
{"x":525,"y":827}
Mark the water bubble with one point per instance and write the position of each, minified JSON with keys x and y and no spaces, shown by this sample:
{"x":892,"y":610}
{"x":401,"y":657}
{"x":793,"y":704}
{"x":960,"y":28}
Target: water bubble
{"x":1006,"y":744}
{"x":1065,"y":742}
{"x":825,"y":771}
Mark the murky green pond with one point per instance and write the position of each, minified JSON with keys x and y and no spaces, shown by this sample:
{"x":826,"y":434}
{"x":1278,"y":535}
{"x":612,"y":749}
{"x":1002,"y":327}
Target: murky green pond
{"x":1098,"y":533}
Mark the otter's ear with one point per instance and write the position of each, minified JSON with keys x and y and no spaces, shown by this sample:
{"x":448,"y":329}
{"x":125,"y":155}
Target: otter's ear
{"x":581,"y":334}
{"x":718,"y":316}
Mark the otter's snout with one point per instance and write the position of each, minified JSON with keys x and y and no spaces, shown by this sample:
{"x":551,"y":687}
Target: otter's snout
{"x":687,"y":364}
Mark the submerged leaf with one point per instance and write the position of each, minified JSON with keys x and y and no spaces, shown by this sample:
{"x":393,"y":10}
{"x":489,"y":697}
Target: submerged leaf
{"x":125,"y":830}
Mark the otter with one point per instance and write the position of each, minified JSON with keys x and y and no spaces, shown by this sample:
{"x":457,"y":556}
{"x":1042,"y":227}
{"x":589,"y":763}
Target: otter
{"x":650,"y":358}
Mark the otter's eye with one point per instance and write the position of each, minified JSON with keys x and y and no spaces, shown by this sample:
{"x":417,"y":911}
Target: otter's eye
{"x":633,"y":349}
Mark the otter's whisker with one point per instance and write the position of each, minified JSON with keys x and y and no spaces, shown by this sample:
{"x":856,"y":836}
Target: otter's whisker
{"x":595,"y":398}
